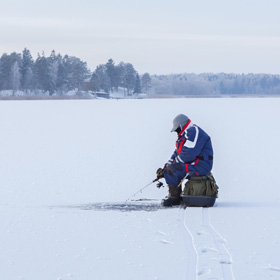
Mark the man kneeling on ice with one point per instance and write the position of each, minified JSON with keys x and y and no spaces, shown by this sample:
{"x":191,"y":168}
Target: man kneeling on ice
{"x":192,"y":157}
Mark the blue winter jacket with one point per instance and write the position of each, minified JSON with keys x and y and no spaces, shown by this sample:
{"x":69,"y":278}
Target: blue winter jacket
{"x":193,"y":155}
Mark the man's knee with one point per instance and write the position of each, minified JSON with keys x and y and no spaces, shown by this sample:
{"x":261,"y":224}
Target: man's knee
{"x":174,"y":168}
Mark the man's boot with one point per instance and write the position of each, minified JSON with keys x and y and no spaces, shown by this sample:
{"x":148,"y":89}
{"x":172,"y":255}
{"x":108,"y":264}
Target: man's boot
{"x":174,"y":196}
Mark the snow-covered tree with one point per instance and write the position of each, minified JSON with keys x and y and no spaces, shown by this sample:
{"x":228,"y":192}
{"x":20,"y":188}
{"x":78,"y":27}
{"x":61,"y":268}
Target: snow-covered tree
{"x":42,"y":73}
{"x":15,"y":62}
{"x":137,"y":87}
{"x":62,"y":79}
{"x":146,"y":82}
{"x":94,"y":82}
{"x":129,"y":77}
{"x":76,"y":72}
{"x":111,"y":70}
{"x":15,"y":77}
{"x":52,"y":69}
{"x":27,"y":71}
{"x":104,"y":80}
{"x":5,"y":68}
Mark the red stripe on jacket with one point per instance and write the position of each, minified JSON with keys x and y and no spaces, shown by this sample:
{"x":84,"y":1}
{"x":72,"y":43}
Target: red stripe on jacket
{"x":179,"y":148}
{"x":186,"y":125}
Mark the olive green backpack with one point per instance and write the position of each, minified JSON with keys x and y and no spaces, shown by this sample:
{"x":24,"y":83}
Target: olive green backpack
{"x":202,"y":185}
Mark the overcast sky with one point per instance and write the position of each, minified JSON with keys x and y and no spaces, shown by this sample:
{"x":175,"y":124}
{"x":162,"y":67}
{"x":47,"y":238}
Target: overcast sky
{"x":156,"y":36}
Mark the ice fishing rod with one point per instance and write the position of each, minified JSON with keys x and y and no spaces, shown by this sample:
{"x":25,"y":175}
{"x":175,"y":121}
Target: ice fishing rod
{"x":155,"y":180}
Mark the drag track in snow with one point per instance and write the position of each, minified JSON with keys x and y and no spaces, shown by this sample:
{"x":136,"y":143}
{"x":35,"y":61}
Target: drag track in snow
{"x":193,"y":258}
{"x":208,"y":255}
{"x":225,"y":257}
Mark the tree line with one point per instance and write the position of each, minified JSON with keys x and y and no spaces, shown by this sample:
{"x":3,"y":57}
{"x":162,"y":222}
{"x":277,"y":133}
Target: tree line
{"x":110,"y":77}
{"x":56,"y":73}
{"x":61,"y":74}
{"x":216,"y":84}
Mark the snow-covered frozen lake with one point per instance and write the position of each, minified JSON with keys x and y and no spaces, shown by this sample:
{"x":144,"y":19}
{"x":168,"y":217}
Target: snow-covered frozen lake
{"x":60,"y":160}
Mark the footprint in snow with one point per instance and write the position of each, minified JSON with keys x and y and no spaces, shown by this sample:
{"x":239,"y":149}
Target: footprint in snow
{"x":274,"y":268}
{"x":209,"y":249}
{"x":224,"y":261}
{"x":200,"y":232}
{"x":205,"y":270}
{"x":163,"y":241}
{"x":162,"y":233}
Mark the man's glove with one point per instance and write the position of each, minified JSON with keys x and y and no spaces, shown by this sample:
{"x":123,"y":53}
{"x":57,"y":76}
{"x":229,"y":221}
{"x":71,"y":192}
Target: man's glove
{"x":159,"y":173}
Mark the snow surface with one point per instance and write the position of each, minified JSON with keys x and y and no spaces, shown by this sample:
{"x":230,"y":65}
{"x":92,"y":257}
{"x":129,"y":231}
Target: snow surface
{"x":59,"y":159}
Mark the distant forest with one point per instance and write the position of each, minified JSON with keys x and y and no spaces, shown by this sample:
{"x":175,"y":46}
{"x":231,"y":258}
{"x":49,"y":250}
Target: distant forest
{"x":61,"y":74}
{"x":217,"y":84}
{"x":57,"y":74}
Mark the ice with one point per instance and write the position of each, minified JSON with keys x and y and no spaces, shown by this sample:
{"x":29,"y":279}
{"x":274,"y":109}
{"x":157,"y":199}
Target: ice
{"x":67,"y":167}
{"x":274,"y":268}
{"x":164,"y":241}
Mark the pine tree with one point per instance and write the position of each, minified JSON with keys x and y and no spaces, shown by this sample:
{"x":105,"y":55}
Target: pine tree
{"x":120,"y":70}
{"x":129,"y":77}
{"x":15,"y":63}
{"x":5,"y":68}
{"x":62,"y":81}
{"x":52,"y":69}
{"x":15,"y":77}
{"x":77,"y":71}
{"x":27,"y":71}
{"x":112,"y":74}
{"x":95,"y":83}
{"x":103,"y":77}
{"x":42,"y":73}
{"x":146,"y":82}
{"x":137,"y":87}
